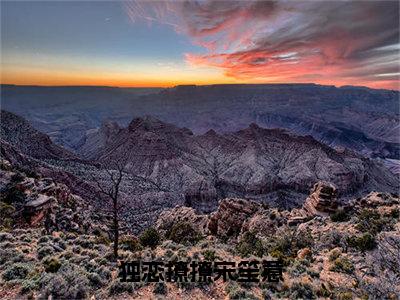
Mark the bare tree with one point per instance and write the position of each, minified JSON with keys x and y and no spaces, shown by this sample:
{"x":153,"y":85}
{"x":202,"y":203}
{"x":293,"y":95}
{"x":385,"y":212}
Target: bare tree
{"x":115,"y":171}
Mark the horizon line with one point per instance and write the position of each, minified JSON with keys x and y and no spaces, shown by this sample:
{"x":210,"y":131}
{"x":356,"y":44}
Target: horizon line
{"x":199,"y":85}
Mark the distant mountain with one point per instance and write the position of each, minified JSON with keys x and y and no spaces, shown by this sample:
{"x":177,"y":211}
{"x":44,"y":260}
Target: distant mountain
{"x":65,"y":113}
{"x":365,"y":120}
{"x":18,"y":132}
{"x":256,"y":163}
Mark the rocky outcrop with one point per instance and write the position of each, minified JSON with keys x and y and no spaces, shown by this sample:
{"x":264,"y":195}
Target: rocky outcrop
{"x":322,"y":201}
{"x":228,"y":220}
{"x":182,"y":215}
{"x":41,"y":201}
{"x":20,"y":134}
{"x":202,"y":197}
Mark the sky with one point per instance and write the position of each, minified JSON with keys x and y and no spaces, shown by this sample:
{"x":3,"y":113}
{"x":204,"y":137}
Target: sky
{"x":154,"y":43}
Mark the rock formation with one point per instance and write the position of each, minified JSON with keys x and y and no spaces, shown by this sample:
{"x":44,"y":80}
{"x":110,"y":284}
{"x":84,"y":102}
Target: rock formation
{"x":228,"y":220}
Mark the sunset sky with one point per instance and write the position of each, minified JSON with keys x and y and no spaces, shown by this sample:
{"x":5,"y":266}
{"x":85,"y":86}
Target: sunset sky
{"x":118,"y":43}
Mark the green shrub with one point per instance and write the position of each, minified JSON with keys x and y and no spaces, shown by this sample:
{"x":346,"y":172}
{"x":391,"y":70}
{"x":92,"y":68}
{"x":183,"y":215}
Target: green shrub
{"x":340,"y":215}
{"x":70,"y":282}
{"x":334,"y":254}
{"x":17,"y":178}
{"x":45,"y":251}
{"x":301,"y":291}
{"x":183,"y":232}
{"x":84,"y":241}
{"x":16,"y":271}
{"x":11,"y":194}
{"x":118,"y":287}
{"x":130,"y":243}
{"x":343,"y":265}
{"x":345,"y":296}
{"x":104,"y":273}
{"x":29,"y":285}
{"x":299,"y":267}
{"x":363,"y":243}
{"x":209,"y":255}
{"x":160,"y":288}
{"x":150,"y":238}
{"x":6,"y":211}
{"x":394,"y":213}
{"x":370,"y":220}
{"x":249,"y":244}
{"x":234,"y":291}
{"x":102,"y":240}
{"x":285,"y":244}
{"x":95,"y":280}
{"x":44,"y":239}
{"x":5,"y":236}
{"x":51,"y":264}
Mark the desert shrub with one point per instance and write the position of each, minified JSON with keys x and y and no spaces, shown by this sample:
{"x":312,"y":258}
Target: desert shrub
{"x":301,"y":291}
{"x":209,"y":255}
{"x":45,"y":251}
{"x":26,"y":238}
{"x":101,"y":261}
{"x":7,"y":255}
{"x":183,"y":232}
{"x":394,"y":213}
{"x":84,"y":241}
{"x":130,"y":243}
{"x":249,"y":244}
{"x":44,"y":239}
{"x":285,"y":244}
{"x":29,"y":285}
{"x":333,"y":239}
{"x":102,"y":240}
{"x":340,"y":215}
{"x":103,"y":272}
{"x":370,"y":220}
{"x":5,"y":236}
{"x":313,"y":274}
{"x":16,"y":271}
{"x":11,"y":194}
{"x":170,"y":245}
{"x":89,"y":265}
{"x":95,"y":280}
{"x":160,"y":288}
{"x":234,"y":291}
{"x":150,"y":238}
{"x":343,"y":265}
{"x":17,"y":178}
{"x":76,"y":249}
{"x":118,"y":287}
{"x":70,"y":282}
{"x":51,"y":264}
{"x":67,"y":255}
{"x":323,"y":292}
{"x":91,"y":253}
{"x":344,"y":296}
{"x":334,"y":254}
{"x":6,"y":211}
{"x":299,"y":267}
{"x":363,"y":243}
{"x":168,"y":253}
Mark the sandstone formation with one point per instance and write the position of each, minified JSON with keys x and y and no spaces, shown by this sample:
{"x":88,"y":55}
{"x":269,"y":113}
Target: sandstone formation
{"x":228,"y":220}
{"x":322,"y":201}
{"x":182,"y":214}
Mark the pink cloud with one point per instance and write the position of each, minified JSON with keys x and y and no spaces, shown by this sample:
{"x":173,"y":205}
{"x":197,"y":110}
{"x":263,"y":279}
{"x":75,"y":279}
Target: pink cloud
{"x":324,"y":42}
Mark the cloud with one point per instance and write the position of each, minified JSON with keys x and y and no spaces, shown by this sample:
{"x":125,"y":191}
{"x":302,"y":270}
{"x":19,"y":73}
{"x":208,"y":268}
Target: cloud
{"x":336,"y":42}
